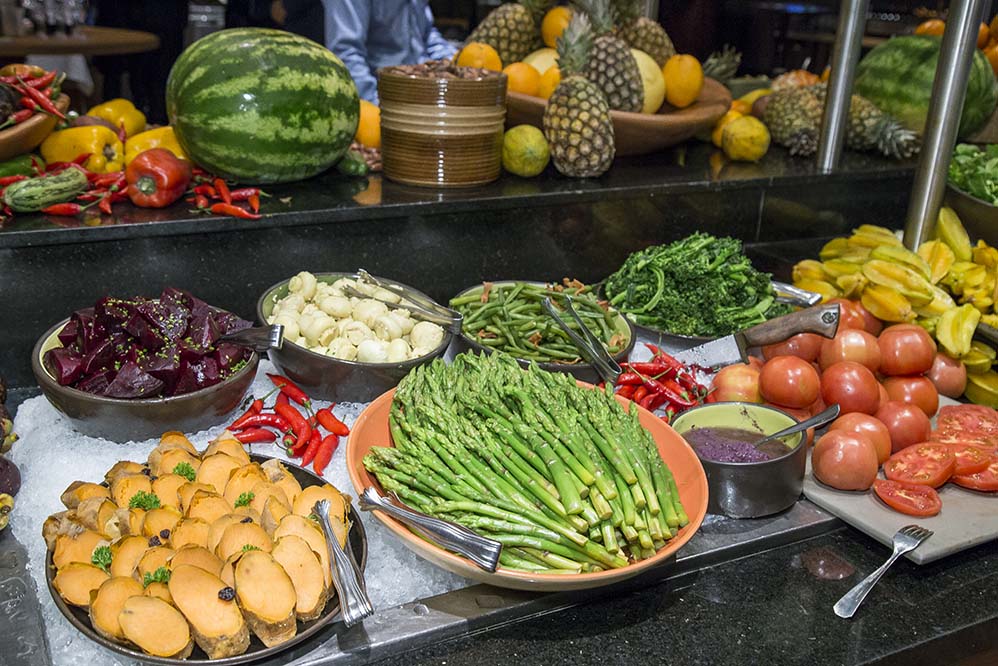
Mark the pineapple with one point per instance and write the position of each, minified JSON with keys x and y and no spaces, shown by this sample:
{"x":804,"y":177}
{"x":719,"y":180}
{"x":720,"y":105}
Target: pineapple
{"x":793,"y":117}
{"x":577,"y":123}
{"x":642,"y":33}
{"x":512,"y":29}
{"x":723,"y":65}
{"x":870,"y":128}
{"x":611,"y":65}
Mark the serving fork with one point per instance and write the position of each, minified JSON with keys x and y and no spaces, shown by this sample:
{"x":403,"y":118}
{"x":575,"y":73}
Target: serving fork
{"x":906,"y":539}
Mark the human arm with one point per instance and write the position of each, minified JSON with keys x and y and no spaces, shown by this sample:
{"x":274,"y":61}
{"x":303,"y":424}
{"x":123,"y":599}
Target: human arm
{"x":437,"y":48}
{"x":347,"y":24}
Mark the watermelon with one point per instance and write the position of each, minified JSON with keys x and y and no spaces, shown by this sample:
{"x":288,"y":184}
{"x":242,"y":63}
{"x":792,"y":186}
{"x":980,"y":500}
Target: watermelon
{"x":897,"y":76}
{"x":262,"y":106}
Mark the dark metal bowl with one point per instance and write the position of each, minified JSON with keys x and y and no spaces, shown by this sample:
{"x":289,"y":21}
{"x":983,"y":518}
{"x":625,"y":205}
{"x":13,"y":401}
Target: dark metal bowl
{"x":584,"y":372}
{"x":356,"y":539}
{"x":979,"y":217}
{"x":334,"y":379}
{"x":138,"y":420}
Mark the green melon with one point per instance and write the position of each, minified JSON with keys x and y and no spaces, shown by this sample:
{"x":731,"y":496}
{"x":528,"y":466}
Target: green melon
{"x":897,"y":76}
{"x":262,"y":106}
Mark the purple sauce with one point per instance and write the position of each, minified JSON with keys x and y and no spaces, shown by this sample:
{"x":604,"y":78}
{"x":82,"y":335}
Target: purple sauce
{"x":733,"y":445}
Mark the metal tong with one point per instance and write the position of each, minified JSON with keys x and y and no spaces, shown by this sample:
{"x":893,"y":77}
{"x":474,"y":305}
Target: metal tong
{"x":348,"y":580}
{"x":419,"y":305}
{"x":483,"y":551}
{"x":590,"y":346}
{"x":258,"y":338}
{"x":787,"y":293}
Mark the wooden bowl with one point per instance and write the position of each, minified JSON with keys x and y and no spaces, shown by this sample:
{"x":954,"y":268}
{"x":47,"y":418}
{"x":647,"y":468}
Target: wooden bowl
{"x":25,"y":137}
{"x":371,"y":429}
{"x":639,"y":133}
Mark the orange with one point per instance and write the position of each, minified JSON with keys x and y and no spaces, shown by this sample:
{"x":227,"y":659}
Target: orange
{"x":931,"y":27}
{"x":825,"y":73}
{"x":683,"y":80}
{"x":716,"y":133}
{"x":991,"y":53}
{"x":741,"y":106}
{"x":369,"y":127}
{"x":993,"y":28}
{"x":554,"y":23}
{"x":549,"y":81}
{"x":522,"y":78}
{"x":983,"y":35}
{"x":477,"y":54}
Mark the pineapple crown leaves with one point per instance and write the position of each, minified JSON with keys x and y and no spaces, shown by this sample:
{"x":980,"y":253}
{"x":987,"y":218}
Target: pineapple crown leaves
{"x":896,"y":141}
{"x":628,"y":11}
{"x":537,"y":8}
{"x":574,"y":45}
{"x":601,"y":14}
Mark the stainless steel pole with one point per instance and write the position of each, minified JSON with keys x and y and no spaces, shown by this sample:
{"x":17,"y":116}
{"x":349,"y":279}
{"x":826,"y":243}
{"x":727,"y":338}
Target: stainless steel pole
{"x":945,"y":108}
{"x":835,"y":119}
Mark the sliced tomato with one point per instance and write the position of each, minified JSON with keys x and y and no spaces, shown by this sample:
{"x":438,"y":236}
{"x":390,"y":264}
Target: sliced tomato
{"x":973,"y":424}
{"x":927,"y":464}
{"x":909,"y":498}
{"x":986,"y":480}
{"x":970,"y":458}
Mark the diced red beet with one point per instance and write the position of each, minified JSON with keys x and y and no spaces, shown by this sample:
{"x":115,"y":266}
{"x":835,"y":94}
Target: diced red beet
{"x":228,"y":355}
{"x":132,"y":382}
{"x":64,"y":365}
{"x":163,"y":365}
{"x":169,"y":318}
{"x":230,"y":323}
{"x":97,"y":382}
{"x":100,"y":356}
{"x":67,"y":335}
{"x":203,"y":330}
{"x":111,"y":312}
{"x":210,"y":373}
{"x":149,"y":337}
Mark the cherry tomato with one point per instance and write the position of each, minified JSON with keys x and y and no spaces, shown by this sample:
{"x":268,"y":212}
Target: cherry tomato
{"x":986,"y":481}
{"x":790,"y":381}
{"x":928,"y":463}
{"x":738,"y":382}
{"x":844,"y":460}
{"x":949,"y":375}
{"x":907,"y":424}
{"x":906,"y":349}
{"x":802,"y":345}
{"x":800,"y":415}
{"x":851,"y":344}
{"x":918,"y":391}
{"x":970,"y":459}
{"x":871,"y":324}
{"x":874,"y":430}
{"x":849,"y":316}
{"x":852,"y":386}
{"x":908,"y":498}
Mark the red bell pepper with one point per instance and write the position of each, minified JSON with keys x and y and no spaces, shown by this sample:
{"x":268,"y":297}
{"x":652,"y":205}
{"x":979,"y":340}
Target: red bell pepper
{"x":157,"y":178}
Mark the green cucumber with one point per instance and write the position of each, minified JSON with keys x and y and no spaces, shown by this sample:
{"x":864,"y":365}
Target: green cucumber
{"x":37,"y":193}
{"x":352,"y":164}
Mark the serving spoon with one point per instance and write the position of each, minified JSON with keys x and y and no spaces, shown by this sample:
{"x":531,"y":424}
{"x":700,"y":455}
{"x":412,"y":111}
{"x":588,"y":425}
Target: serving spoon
{"x":816,"y":421}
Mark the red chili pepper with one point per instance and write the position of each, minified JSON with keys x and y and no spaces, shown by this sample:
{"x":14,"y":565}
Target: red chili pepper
{"x":268,"y":420}
{"x":57,"y":166}
{"x":656,"y":401}
{"x":107,"y":179}
{"x":29,"y":104}
{"x":646,"y":401}
{"x":20,"y":116}
{"x":255,"y":435}
{"x":7,"y":180}
{"x":282,"y":399}
{"x":49,"y":92}
{"x":254,"y":202}
{"x":640,"y":393}
{"x":207,"y":190}
{"x":105,"y":205}
{"x":36,"y":165}
{"x":157,"y":178}
{"x":243,"y":194}
{"x":329,"y":421}
{"x":630,"y":378}
{"x":39,"y":97}
{"x":313,"y":447}
{"x":223,"y":190}
{"x":234,"y":211}
{"x":653,"y":368}
{"x":299,"y":426}
{"x":81,"y":158}
{"x":63,"y":209}
{"x":122,"y":134}
{"x":121,"y":195}
{"x":255,"y":408}
{"x":201,"y":201}
{"x":626,"y":391}
{"x":93,"y":195}
{"x":672,"y":391}
{"x":42,"y":81}
{"x":292,"y":390}
{"x":289,"y":445}
{"x":325,"y":453}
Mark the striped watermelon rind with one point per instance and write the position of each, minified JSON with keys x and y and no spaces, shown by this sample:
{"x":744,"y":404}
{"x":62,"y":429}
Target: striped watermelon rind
{"x":897,"y":76}
{"x":262,"y":106}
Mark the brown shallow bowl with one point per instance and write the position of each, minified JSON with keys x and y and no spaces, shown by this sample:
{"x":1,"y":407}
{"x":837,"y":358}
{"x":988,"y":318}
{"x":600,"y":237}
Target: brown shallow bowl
{"x":25,"y":137}
{"x":138,"y":420}
{"x":356,"y":539}
{"x":334,"y":379}
{"x":372,"y":429}
{"x":639,"y":133}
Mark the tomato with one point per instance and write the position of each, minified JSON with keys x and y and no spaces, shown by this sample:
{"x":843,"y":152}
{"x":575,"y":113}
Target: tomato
{"x":849,"y":316}
{"x":906,"y":349}
{"x":845,"y":461}
{"x":907,"y":424}
{"x":802,"y":345}
{"x":874,"y":430}
{"x":986,"y":480}
{"x":852,"y":386}
{"x":883,"y":394}
{"x":790,"y":381}
{"x":755,"y":363}
{"x":908,"y":498}
{"x":851,"y":345}
{"x":970,"y":459}
{"x":800,"y":415}
{"x":871,"y":324}
{"x":738,"y":382}
{"x":817,"y":406}
{"x":973,"y":424}
{"x":948,"y":375}
{"x":928,"y":464}
{"x":918,"y":391}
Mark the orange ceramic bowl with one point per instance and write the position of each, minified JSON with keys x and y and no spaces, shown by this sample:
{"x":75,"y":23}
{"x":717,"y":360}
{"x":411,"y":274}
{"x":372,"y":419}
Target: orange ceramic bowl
{"x":371,"y":429}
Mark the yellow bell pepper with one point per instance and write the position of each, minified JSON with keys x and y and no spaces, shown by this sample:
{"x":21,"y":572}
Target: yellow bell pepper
{"x":106,"y":152}
{"x":120,"y":112}
{"x":161,"y":137}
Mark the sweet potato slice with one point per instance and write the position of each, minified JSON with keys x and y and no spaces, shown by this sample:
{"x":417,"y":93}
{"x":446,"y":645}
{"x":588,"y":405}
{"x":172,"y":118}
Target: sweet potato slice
{"x":79,"y":548}
{"x":186,"y":493}
{"x":264,"y":491}
{"x":156,"y":627}
{"x":75,"y":581}
{"x":190,"y":531}
{"x":175,"y":439}
{"x":239,"y":535}
{"x":274,"y":510}
{"x":153,"y":559}
{"x":198,"y":556}
{"x":228,"y":445}
{"x":218,"y":527}
{"x":216,"y":469}
{"x":267,"y":597}
{"x":312,"y":535}
{"x":337,"y":507}
{"x":125,"y":522}
{"x":208,"y":506}
{"x":59,"y":524}
{"x":166,"y":488}
{"x":81,"y":490}
{"x":247,"y":512}
{"x":160,"y":523}
{"x":108,"y":601}
{"x":303,"y":567}
{"x":126,"y":486}
{"x":125,"y":555}
{"x":94,"y":512}
{"x":160,"y":591}
{"x":218,"y":625}
{"x":280,"y":476}
{"x":122,"y":468}
{"x":242,"y":481}
{"x":164,"y":462}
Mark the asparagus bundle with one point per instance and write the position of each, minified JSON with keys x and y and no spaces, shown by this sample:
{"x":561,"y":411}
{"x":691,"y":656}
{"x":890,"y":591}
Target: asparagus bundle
{"x":565,"y":478}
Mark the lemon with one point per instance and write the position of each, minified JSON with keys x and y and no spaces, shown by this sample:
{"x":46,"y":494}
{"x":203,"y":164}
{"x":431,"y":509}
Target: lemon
{"x":524,"y":151}
{"x":651,"y":79}
{"x":745,"y":139}
{"x":542,"y":59}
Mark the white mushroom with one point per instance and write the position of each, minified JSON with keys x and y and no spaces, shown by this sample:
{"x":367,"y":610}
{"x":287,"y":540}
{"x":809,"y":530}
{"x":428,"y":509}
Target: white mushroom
{"x":426,"y":336}
{"x":372,"y":351}
{"x":304,"y":284}
{"x":342,"y":349}
{"x":290,"y":303}
{"x":385,"y":295}
{"x":290,"y":324}
{"x":403,"y":319}
{"x":368,"y":310}
{"x":313,"y":325}
{"x":398,"y":351}
{"x":387,"y":328}
{"x":356,"y":332}
{"x":336,"y":306}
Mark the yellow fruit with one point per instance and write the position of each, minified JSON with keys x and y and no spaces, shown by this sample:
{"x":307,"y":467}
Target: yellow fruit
{"x":542,"y":59}
{"x":522,"y":78}
{"x":549,"y":81}
{"x":741,"y":107}
{"x":683,"y":80}
{"x":745,"y":139}
{"x":524,"y":151}
{"x":715,"y":135}
{"x":369,"y":127}
{"x":554,"y":23}
{"x":477,"y":54}
{"x":651,"y":79}
{"x":750,"y":97}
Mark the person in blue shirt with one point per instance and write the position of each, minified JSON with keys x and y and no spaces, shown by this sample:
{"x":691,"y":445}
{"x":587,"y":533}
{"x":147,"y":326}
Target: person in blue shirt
{"x":368,"y":34}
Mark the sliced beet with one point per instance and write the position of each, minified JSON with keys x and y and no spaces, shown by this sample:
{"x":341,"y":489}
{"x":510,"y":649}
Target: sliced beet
{"x":112,"y":312}
{"x":163,"y":365}
{"x":228,"y":355}
{"x":100,"y":356}
{"x":149,"y":337}
{"x":203,"y":330}
{"x":230,"y":323}
{"x":97,"y":382}
{"x":170,"y":318}
{"x":210,"y":372}
{"x":64,"y":365}
{"x":132,"y":382}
